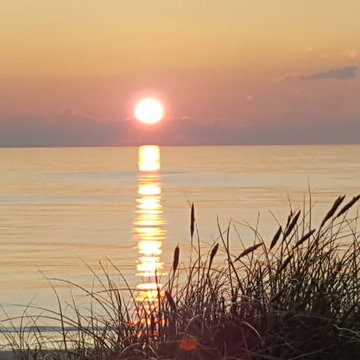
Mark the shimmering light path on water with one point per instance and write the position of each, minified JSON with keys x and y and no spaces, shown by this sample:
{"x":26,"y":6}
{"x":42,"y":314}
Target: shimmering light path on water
{"x":149,"y":224}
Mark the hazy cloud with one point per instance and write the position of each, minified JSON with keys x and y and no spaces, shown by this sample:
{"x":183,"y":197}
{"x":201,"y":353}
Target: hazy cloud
{"x":347,"y":72}
{"x":69,"y":129}
{"x":64,"y":129}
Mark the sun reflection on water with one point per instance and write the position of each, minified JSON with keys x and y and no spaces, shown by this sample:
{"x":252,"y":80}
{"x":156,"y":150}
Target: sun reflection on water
{"x":149,"y":224}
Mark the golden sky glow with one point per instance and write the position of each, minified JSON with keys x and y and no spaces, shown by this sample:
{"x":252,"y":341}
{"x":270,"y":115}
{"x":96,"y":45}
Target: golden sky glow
{"x":92,"y":38}
{"x":214,"y":62}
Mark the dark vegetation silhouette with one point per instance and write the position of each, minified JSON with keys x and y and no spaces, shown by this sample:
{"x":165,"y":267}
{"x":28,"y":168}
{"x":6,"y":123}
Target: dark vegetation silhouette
{"x":294,"y":295}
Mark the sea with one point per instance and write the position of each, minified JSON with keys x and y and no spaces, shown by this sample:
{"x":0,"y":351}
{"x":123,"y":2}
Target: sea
{"x":69,"y":213}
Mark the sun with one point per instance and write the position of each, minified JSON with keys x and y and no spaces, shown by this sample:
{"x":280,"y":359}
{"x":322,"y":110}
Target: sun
{"x":149,"y":111}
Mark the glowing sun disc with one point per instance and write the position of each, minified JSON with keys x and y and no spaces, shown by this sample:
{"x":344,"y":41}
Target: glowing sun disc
{"x":149,"y":111}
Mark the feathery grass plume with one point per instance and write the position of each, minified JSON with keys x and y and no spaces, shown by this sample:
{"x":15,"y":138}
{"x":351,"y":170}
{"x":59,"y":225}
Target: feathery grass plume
{"x":176,"y":259}
{"x":291,"y":214}
{"x":213,"y":254}
{"x":304,"y":238}
{"x":276,"y":238}
{"x":348,"y":205}
{"x":248,"y":251}
{"x":290,"y":226}
{"x":332,"y":210}
{"x":285,"y":263}
{"x":192,"y":220}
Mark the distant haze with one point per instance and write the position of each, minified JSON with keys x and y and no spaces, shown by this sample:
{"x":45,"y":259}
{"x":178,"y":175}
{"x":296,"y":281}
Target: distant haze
{"x":233,"y":72}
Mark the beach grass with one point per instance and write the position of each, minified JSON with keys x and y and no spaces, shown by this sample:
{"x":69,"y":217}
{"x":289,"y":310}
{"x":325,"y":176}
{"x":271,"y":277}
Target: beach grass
{"x":291,"y":295}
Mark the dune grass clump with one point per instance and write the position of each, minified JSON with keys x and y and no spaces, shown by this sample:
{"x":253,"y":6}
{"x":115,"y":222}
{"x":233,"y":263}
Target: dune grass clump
{"x":293,"y":295}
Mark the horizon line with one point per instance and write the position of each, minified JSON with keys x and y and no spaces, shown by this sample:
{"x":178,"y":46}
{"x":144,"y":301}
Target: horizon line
{"x":176,"y":145}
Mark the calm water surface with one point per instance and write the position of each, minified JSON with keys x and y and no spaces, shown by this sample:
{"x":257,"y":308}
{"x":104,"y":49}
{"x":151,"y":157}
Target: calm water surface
{"x":62,"y":209}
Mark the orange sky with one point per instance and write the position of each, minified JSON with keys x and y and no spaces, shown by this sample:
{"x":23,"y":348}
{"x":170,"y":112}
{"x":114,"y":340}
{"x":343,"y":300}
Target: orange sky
{"x":253,"y":66}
